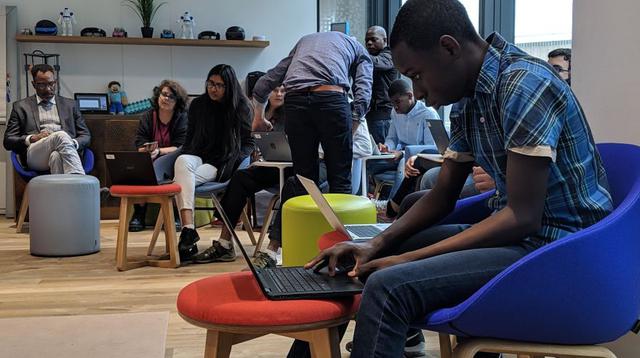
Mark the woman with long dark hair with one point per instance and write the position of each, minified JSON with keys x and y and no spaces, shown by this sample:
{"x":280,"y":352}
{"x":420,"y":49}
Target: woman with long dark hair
{"x":218,"y":139}
{"x":161,"y":132}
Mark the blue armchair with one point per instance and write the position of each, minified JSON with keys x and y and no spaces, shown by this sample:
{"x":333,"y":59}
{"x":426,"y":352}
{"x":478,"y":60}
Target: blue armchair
{"x":566,"y":297}
{"x":27,"y":174}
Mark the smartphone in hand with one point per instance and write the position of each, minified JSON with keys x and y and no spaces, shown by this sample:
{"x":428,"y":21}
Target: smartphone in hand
{"x":150,"y":146}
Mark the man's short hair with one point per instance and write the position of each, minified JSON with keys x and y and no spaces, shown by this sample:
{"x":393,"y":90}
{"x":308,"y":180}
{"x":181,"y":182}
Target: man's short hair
{"x":564,"y":52}
{"x":399,"y":87}
{"x":421,"y":23}
{"x":41,"y":67}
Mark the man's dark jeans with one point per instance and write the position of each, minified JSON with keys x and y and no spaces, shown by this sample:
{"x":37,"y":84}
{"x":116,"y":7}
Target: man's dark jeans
{"x":379,"y":129}
{"x":320,"y":118}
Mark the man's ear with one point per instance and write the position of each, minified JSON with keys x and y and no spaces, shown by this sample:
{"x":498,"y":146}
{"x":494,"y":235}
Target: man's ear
{"x":450,"y":46}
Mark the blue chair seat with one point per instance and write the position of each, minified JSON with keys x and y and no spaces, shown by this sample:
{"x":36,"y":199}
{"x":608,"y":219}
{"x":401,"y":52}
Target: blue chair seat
{"x":583,"y":289}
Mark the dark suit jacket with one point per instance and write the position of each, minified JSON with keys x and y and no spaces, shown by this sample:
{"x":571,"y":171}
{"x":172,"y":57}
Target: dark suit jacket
{"x":25,"y":120}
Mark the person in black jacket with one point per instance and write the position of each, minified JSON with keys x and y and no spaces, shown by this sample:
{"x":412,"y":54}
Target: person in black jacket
{"x":161,"y":132}
{"x":218,"y":139}
{"x":384,"y":72}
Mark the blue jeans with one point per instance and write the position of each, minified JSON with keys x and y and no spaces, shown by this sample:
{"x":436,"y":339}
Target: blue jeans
{"x":163,"y":166}
{"x":400,"y":295}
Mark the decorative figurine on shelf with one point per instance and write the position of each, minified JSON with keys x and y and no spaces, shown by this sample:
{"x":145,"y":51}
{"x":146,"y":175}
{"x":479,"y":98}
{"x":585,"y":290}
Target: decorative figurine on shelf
{"x":167,"y":34}
{"x":188,"y":24}
{"x":119,"y":32}
{"x":66,"y":20}
{"x":117,"y":98}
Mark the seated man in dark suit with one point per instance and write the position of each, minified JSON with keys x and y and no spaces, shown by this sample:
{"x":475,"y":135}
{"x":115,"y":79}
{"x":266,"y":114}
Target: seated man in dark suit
{"x":47,"y":130}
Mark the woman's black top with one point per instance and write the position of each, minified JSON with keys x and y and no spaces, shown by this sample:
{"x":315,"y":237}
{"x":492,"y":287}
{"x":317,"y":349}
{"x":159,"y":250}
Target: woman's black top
{"x":177,"y":129}
{"x":220,"y":137}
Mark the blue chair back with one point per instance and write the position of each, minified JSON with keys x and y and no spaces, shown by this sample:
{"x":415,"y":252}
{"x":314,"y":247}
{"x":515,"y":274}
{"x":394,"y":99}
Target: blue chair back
{"x":205,"y":190}
{"x":581,"y":289}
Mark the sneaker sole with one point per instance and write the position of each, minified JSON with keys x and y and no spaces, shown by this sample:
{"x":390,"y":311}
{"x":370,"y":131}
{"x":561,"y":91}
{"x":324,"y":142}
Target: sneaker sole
{"x":219,"y":259}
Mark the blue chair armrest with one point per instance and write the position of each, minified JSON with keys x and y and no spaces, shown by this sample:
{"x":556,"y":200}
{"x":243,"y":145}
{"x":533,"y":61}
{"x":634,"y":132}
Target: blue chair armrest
{"x":88,"y":160}
{"x":24,"y":173}
{"x":470,"y":210}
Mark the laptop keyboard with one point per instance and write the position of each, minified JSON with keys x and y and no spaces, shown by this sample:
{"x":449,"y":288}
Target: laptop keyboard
{"x":296,"y":279}
{"x":364,"y":231}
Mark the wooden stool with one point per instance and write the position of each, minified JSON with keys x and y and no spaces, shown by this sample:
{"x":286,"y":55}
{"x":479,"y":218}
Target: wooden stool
{"x":233,"y":310}
{"x":139,"y":194}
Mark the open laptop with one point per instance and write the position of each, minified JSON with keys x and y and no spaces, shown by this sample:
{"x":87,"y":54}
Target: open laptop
{"x":273,"y":146}
{"x":131,"y":168}
{"x":354,"y":231}
{"x":440,"y":137}
{"x":288,"y":283}
{"x":91,"y":102}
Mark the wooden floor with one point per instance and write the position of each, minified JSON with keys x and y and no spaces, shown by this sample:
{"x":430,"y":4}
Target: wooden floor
{"x":37,"y":286}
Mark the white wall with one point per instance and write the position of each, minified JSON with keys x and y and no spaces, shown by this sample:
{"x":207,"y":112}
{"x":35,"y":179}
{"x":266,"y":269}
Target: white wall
{"x":605,"y":74}
{"x":606,"y":79}
{"x":88,"y":68}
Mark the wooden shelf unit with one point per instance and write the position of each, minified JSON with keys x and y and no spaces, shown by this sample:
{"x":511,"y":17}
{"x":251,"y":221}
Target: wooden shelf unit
{"x":155,"y":41}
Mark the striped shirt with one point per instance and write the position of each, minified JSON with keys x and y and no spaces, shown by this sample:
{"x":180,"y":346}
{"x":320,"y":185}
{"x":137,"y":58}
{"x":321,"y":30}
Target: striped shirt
{"x":520,"y":104}
{"x":49,"y":118}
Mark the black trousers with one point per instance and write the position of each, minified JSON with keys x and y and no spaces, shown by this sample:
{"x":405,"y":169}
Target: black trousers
{"x":320,"y":118}
{"x":243,"y":184}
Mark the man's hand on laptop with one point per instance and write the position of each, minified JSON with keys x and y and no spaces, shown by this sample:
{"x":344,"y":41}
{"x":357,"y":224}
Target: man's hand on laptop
{"x":361,"y":252}
{"x":382,"y":148}
{"x":397,"y":155}
{"x":409,"y":169}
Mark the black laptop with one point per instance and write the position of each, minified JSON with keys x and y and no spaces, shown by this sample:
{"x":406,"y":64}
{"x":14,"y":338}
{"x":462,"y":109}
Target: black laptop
{"x":91,"y":102}
{"x":131,"y":168}
{"x":273,"y":146}
{"x":289,"y":283}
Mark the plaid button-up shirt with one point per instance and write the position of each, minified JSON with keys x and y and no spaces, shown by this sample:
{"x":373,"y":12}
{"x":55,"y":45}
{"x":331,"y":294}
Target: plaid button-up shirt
{"x":521,"y":105}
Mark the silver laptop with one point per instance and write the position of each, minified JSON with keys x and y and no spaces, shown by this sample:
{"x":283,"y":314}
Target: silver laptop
{"x":354,"y":231}
{"x":440,"y":137}
{"x":273,"y":146}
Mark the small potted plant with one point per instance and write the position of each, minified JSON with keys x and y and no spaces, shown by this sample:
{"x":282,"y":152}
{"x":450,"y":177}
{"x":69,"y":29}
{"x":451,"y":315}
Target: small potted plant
{"x":146,"y":11}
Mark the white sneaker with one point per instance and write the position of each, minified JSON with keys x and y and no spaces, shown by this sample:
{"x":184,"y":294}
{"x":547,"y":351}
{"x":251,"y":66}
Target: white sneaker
{"x":381,"y":205}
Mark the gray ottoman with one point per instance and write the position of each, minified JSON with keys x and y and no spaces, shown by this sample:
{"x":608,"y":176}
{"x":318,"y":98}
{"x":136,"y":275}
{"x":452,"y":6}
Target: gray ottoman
{"x":64,"y":215}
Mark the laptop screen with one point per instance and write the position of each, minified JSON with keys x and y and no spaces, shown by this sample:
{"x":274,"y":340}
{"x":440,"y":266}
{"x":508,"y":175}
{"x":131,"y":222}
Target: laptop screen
{"x":439,"y":134}
{"x":91,"y":102}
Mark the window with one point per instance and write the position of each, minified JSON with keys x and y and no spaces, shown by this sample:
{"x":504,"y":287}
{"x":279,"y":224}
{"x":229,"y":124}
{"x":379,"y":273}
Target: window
{"x":353,"y":12}
{"x":543,"y":25}
{"x":473,"y":9}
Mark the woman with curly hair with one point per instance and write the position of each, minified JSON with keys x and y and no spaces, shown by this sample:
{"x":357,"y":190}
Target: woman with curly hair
{"x":161,"y":132}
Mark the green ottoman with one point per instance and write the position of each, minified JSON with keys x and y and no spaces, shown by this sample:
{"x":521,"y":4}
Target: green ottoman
{"x":303,"y":223}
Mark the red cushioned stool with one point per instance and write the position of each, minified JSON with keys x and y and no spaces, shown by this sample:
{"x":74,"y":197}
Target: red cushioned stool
{"x":141,"y":194}
{"x":331,"y":238}
{"x":233,"y":310}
